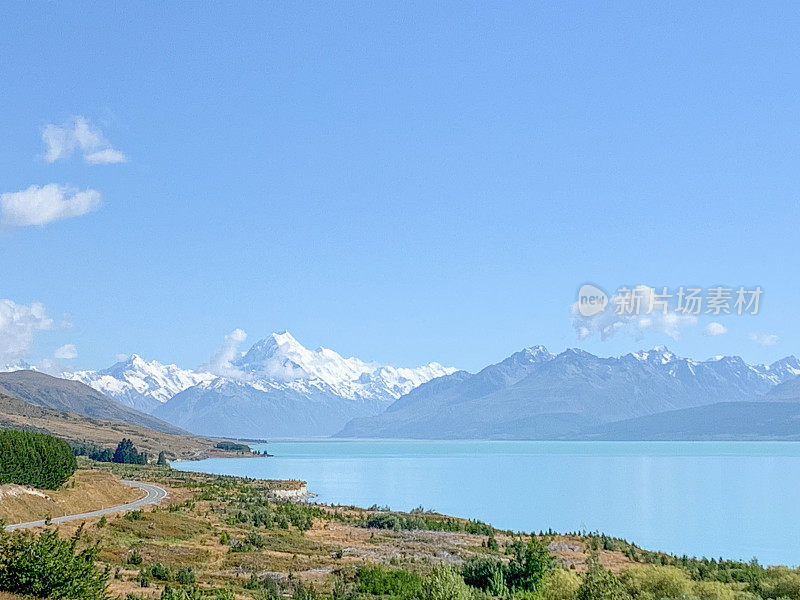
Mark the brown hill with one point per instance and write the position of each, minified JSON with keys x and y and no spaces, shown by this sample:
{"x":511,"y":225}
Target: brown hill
{"x":17,"y":414}
{"x":76,"y":397}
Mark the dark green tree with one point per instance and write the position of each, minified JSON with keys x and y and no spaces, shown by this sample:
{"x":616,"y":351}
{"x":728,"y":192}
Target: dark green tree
{"x":126,"y":453}
{"x":35,"y":459}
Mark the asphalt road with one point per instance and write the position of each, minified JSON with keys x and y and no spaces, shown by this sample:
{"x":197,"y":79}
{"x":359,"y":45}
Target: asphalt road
{"x":153,"y":495}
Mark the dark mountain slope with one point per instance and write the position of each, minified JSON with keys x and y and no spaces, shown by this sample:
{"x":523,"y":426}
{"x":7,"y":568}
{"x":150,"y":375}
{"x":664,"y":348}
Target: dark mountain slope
{"x":62,"y":394}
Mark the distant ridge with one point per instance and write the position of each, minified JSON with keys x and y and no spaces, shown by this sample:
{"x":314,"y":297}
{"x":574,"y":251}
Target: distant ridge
{"x":723,"y":421}
{"x":46,"y":391}
{"x":535,"y":394}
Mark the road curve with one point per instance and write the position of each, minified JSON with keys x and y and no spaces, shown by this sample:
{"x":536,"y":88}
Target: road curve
{"x":153,"y":495}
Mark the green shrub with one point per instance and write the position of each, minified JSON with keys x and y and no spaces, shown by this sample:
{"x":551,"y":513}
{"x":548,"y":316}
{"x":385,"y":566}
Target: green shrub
{"x":560,"y":584}
{"x":600,"y":584}
{"x":779,"y":582}
{"x":134,"y":557}
{"x":47,"y":566}
{"x":184,"y":575}
{"x":159,"y":571}
{"x":35,"y":459}
{"x":444,"y":583}
{"x":377,"y":580}
{"x":480,"y":571}
{"x":529,"y":564}
{"x":651,"y":582}
{"x":714,"y":590}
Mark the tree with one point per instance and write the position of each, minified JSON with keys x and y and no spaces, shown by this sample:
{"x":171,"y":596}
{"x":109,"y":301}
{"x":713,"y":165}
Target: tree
{"x":35,"y":459}
{"x":162,"y":459}
{"x":529,"y":564}
{"x":126,"y":453}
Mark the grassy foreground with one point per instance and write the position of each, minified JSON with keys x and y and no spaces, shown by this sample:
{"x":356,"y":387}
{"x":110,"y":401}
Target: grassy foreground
{"x":229,"y":538}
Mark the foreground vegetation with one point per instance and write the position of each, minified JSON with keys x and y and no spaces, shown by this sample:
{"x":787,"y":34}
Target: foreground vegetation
{"x":224,"y":538}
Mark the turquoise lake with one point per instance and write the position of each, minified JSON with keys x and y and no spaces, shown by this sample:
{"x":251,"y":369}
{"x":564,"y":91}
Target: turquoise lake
{"x":731,"y":499}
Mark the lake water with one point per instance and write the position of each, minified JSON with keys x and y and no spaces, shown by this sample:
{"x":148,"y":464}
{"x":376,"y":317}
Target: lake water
{"x":731,"y":499}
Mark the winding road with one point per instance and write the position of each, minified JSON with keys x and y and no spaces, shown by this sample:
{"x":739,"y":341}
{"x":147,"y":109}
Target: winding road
{"x":153,"y":495}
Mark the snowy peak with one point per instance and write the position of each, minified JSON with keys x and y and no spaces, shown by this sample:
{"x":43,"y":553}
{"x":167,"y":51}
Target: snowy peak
{"x":281,"y":358}
{"x":659,"y":354}
{"x":536,"y":354}
{"x":278,"y":361}
{"x":781,"y":370}
{"x":139,"y":383}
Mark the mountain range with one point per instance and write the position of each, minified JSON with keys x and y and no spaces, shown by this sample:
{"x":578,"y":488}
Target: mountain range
{"x":278,"y":388}
{"x":535,"y":394}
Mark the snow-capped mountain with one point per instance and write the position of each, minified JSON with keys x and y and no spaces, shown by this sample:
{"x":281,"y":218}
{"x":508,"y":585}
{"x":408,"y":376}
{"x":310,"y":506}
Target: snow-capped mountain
{"x":277,"y":388}
{"x":781,"y":370}
{"x":283,"y":389}
{"x":280,"y":358}
{"x":141,"y":384}
{"x":564,"y":394}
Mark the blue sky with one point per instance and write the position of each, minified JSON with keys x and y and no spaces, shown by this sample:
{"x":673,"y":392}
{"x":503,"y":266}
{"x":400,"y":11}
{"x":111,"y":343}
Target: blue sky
{"x":402,"y":182}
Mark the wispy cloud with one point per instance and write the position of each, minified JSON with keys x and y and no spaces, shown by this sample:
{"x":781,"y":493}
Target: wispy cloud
{"x":18,"y":326}
{"x":221,"y":362}
{"x":61,"y":141}
{"x":610,"y":321}
{"x":765,"y":339}
{"x":714,"y":329}
{"x":39,"y":205}
{"x":66,"y":352}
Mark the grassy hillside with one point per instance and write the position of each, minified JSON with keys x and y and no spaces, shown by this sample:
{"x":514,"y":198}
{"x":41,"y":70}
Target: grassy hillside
{"x":16,"y":414}
{"x":73,"y":396}
{"x":62,"y":394}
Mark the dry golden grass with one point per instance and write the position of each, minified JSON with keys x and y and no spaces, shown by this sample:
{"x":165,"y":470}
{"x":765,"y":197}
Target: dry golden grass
{"x":85,"y":491}
{"x":187,"y":530}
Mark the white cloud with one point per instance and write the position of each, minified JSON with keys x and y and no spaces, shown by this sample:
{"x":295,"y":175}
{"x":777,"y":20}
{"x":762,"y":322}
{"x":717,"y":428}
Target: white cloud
{"x":105,"y":157}
{"x":765,"y":339}
{"x":608,"y":322}
{"x":66,"y":352}
{"x":220,"y":362}
{"x":713,"y":329}
{"x":18,"y":326}
{"x":61,"y":141}
{"x":121,"y":357}
{"x":41,"y":205}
